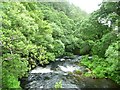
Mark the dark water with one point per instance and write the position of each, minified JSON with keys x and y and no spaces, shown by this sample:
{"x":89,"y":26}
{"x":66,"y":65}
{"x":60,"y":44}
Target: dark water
{"x":67,"y":71}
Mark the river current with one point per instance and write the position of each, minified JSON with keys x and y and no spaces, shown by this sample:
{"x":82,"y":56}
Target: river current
{"x":68,"y":72}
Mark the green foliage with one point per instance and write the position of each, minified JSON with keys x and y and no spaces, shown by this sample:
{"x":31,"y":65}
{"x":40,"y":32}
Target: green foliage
{"x":58,"y":84}
{"x":25,"y":38}
{"x":13,"y":67}
{"x":9,"y":81}
{"x":105,"y":62}
{"x":78,"y":72}
{"x":58,"y":48}
{"x":102,"y":45}
{"x":37,"y":33}
{"x":39,"y":54}
{"x":57,"y":31}
{"x":108,"y":67}
{"x":113,"y":59}
{"x":13,"y":61}
{"x":86,"y":46}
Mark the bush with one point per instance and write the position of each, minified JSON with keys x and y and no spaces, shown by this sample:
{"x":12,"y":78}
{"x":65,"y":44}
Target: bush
{"x":13,"y":67}
{"x":58,"y":84}
{"x":59,"y":48}
{"x":102,"y":45}
{"x":108,"y":67}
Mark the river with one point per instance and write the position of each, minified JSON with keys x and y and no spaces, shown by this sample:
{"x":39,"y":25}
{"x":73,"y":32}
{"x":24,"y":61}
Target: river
{"x":68,"y":72}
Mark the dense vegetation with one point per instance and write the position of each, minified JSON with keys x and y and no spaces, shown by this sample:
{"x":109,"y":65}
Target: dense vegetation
{"x":36,"y":33}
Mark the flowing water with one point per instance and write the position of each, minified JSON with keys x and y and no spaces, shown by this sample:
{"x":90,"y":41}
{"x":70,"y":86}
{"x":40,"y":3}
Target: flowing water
{"x":67,"y":71}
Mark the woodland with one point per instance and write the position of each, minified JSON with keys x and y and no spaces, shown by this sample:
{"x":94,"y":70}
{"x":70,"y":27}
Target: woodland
{"x":36,"y":33}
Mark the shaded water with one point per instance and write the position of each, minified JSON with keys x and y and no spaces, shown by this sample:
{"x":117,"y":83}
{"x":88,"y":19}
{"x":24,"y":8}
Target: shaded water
{"x":67,"y":71}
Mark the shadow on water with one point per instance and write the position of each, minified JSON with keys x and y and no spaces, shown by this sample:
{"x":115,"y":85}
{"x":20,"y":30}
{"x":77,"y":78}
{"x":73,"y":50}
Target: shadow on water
{"x":65,"y":70}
